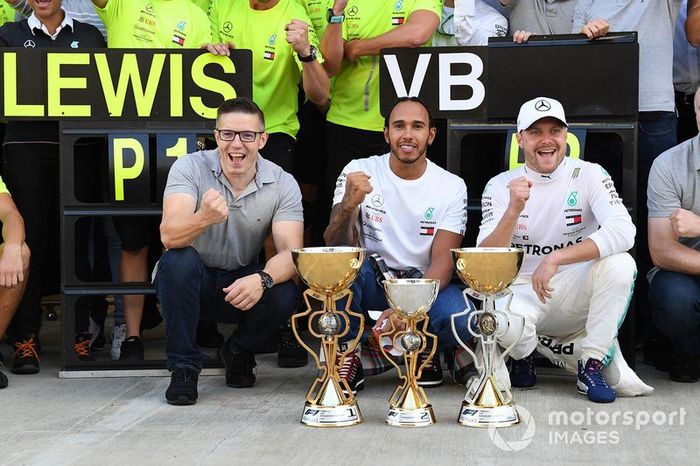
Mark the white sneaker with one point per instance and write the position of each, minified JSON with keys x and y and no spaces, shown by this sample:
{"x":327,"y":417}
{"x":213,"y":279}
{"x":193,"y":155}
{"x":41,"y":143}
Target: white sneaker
{"x":118,"y":336}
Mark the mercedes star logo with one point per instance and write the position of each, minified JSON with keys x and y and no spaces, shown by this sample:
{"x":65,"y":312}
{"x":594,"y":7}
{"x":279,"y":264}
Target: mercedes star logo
{"x":352,"y":11}
{"x":542,"y":106}
{"x":228,"y":26}
{"x":377,"y":200}
{"x":29,"y":44}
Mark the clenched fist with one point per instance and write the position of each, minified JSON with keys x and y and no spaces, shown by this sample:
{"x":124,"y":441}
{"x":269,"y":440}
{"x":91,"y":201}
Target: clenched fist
{"x":213,"y":207}
{"x":357,"y":186}
{"x":519,"y":189}
{"x":297,"y":35}
{"x":685,"y":224}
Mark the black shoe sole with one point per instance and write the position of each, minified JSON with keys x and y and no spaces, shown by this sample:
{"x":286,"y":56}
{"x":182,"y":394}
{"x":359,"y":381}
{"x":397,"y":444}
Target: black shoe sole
{"x":25,"y":370}
{"x":291,"y":362}
{"x":243,"y":384}
{"x":182,"y":401}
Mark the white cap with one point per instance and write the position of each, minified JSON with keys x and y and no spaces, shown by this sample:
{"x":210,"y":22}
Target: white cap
{"x":537,"y":108}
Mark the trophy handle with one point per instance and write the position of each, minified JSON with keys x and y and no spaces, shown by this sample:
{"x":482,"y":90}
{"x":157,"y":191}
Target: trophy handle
{"x":297,"y":316}
{"x":433,"y":347}
{"x":386,"y":355}
{"x":346,"y":312}
{"x":453,"y":317}
{"x":507,"y":317}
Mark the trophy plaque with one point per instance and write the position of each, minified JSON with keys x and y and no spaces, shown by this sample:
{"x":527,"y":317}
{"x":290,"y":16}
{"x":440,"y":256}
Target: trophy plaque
{"x":487,"y":272}
{"x":329,"y":272}
{"x":410,"y":299}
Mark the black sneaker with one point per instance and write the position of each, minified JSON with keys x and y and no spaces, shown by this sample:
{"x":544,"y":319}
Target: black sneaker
{"x":82,"y":347}
{"x":290,"y":353}
{"x":208,"y":335}
{"x":432,"y":373}
{"x":26,"y":359}
{"x":522,"y":372}
{"x":684,"y":369}
{"x":132,"y":349}
{"x":239,"y":367}
{"x":3,"y":377}
{"x":351,"y":371}
{"x":182,"y":390}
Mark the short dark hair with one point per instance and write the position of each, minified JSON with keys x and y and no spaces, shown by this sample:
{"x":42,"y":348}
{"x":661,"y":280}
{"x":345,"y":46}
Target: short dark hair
{"x":431,"y":123}
{"x":240,"y":105}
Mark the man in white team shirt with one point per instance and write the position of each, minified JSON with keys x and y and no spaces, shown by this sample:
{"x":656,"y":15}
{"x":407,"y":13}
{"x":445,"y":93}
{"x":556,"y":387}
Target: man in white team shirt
{"x":576,"y":277}
{"x":409,"y":211}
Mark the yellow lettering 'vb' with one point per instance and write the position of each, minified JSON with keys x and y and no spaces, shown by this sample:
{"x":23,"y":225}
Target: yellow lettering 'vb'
{"x":55,"y":83}
{"x":129,"y":73}
{"x":211,"y":84}
{"x":517,"y":158}
{"x":9,"y":84}
{"x":122,"y":173}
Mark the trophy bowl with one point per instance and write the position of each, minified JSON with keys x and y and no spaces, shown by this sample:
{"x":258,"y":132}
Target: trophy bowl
{"x":329,"y":270}
{"x":411,"y":297}
{"x":488,"y":271}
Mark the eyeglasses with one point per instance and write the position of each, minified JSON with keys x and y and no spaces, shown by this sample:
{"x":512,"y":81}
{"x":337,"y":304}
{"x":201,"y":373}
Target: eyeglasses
{"x":230,"y":135}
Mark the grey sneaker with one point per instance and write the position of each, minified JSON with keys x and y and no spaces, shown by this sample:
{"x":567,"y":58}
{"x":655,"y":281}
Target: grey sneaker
{"x":118,"y":337}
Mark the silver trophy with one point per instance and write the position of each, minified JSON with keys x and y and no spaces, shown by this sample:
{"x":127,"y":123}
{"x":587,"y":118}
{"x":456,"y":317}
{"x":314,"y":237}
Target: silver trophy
{"x":488,"y":272}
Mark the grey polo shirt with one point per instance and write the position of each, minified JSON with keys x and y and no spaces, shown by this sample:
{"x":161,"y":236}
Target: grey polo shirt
{"x":674,"y":183}
{"x":541,"y":16}
{"x":272,"y":196}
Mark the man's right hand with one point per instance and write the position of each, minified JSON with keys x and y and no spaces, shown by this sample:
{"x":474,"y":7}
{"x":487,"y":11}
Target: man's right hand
{"x":11,"y":267}
{"x":213,"y":207}
{"x":519,"y":189}
{"x":339,"y":6}
{"x":357,"y":186}
{"x":685,"y":224}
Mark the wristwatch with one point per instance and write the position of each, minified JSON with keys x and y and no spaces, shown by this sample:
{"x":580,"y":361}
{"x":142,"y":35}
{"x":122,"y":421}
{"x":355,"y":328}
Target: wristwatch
{"x":266,"y":280}
{"x":310,"y":57}
{"x":335,"y":19}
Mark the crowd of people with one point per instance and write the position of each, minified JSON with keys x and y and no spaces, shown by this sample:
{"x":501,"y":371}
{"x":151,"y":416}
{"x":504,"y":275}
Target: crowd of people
{"x":312,"y":161}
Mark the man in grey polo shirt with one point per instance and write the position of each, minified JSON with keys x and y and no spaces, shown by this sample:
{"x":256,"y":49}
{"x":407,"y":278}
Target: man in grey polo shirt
{"x":218,"y":208}
{"x":673,"y":195}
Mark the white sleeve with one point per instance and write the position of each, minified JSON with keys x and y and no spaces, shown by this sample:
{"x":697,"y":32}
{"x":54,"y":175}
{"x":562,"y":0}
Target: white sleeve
{"x":494,"y":202}
{"x":447,"y":24}
{"x":455,"y":219}
{"x":475,"y":22}
{"x":616,"y":232}
{"x":340,"y":183}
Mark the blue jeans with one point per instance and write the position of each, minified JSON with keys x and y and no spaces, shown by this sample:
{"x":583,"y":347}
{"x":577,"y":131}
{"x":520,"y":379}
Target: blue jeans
{"x":369,"y":295}
{"x":189,"y":291}
{"x":675,"y":309}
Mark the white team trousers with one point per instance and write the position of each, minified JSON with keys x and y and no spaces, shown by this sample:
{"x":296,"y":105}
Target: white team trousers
{"x":592,"y":295}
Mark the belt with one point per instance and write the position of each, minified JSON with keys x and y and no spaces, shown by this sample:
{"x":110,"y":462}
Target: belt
{"x":685,"y":99}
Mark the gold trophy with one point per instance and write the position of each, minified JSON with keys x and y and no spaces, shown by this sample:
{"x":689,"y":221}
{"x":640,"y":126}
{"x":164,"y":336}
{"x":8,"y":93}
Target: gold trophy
{"x":410,"y":299}
{"x":329,"y":272}
{"x":488,"y":272}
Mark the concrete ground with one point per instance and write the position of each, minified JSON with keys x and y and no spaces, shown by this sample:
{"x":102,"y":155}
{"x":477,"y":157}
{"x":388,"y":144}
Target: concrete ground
{"x":47,"y":420}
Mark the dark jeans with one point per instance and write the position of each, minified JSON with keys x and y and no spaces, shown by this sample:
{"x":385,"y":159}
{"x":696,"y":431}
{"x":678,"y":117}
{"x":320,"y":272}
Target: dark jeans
{"x":369,"y":295}
{"x":675,"y":309}
{"x":189,"y":291}
{"x":657,"y":133}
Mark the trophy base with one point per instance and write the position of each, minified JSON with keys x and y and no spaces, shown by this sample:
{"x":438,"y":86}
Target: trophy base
{"x":331,"y":416}
{"x":418,"y":417}
{"x":477,"y":416}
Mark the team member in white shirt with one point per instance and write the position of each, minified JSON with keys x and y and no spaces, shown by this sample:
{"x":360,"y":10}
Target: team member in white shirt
{"x":576,"y":276}
{"x":411,"y":212}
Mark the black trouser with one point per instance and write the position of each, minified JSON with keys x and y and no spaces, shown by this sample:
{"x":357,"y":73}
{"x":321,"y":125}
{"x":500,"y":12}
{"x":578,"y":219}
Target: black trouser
{"x":687,"y":126}
{"x":279,"y":150}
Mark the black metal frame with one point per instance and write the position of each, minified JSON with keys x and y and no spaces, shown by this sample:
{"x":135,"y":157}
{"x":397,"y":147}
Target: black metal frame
{"x":72,"y":210}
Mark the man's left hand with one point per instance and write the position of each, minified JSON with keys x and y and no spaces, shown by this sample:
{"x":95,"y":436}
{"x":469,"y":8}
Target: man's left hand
{"x":541,"y":277}
{"x":245,"y":292}
{"x":352,"y":51}
{"x":297,"y":35}
{"x":11,"y":270}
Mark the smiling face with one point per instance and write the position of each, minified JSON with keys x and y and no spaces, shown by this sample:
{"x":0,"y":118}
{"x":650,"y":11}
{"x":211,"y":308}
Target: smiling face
{"x":544,"y":144}
{"x":238,"y":158}
{"x":409,"y":133}
{"x":46,"y":9}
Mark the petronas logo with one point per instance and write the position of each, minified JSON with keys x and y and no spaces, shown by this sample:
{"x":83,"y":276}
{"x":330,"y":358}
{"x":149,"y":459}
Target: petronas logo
{"x":271,"y":41}
{"x":398,"y":5}
{"x":571,"y":200}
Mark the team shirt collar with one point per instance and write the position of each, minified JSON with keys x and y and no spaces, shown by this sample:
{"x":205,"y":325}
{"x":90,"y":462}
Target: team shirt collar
{"x":36,"y":25}
{"x":263,"y":170}
{"x":546,"y":178}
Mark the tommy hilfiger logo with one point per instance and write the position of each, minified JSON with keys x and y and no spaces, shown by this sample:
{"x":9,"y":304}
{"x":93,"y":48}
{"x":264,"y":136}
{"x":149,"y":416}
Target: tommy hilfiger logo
{"x":572,"y":220}
{"x":427,"y":231}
